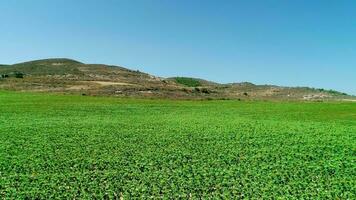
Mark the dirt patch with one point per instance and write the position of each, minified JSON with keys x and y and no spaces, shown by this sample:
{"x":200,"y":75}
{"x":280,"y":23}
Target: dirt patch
{"x":79,"y":87}
{"x":352,"y":100}
{"x":107,"y":83}
{"x":89,"y":84}
{"x":57,"y":64}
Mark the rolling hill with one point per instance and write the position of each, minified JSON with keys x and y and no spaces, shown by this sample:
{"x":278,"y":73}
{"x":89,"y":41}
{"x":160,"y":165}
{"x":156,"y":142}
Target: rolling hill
{"x":70,"y":76}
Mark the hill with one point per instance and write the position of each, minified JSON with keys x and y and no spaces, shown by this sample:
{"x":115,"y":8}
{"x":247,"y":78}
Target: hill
{"x":70,"y":76}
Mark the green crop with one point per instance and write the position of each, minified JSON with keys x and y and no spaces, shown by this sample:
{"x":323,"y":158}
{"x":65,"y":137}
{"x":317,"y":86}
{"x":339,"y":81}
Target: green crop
{"x":80,"y":147}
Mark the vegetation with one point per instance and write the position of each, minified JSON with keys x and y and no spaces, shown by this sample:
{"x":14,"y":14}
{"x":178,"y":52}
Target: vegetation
{"x":69,"y":76}
{"x":62,"y":146}
{"x":18,"y":75}
{"x":333,"y":92}
{"x":190,"y":82}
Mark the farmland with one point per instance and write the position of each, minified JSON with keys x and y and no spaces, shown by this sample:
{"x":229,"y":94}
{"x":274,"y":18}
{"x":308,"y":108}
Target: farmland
{"x":71,"y":146}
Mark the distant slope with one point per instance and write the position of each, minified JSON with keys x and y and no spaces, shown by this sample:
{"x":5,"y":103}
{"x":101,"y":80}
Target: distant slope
{"x":192,"y":82}
{"x":71,"y":76}
{"x":45,"y":67}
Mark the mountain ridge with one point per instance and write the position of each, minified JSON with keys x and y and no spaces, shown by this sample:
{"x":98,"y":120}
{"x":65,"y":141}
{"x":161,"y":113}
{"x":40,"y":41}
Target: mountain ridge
{"x":71,"y":76}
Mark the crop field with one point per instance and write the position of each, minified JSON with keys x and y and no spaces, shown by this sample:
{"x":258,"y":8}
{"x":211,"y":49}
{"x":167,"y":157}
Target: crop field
{"x":81,"y":147}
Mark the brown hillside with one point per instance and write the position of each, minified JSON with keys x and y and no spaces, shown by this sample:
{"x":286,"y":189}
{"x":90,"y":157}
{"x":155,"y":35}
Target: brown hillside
{"x":70,"y":76}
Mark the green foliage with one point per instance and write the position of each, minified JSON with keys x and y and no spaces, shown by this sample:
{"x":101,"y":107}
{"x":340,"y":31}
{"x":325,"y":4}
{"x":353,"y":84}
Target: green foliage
{"x":18,"y":75}
{"x":332,"y":92}
{"x":45,"y":67}
{"x":190,"y":82}
{"x":82,"y":147}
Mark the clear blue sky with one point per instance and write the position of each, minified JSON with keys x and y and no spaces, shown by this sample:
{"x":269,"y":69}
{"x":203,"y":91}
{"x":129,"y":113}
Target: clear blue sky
{"x":286,"y":42}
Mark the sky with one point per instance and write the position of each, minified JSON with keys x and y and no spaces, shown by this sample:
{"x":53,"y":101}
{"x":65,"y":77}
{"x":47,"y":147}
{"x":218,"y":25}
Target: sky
{"x":281,"y":42}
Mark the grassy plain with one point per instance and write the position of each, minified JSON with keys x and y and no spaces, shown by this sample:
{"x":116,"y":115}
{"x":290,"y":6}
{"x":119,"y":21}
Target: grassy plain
{"x":63,"y":146}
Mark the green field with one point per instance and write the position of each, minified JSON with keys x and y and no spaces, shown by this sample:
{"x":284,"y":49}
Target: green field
{"x":62,"y":146}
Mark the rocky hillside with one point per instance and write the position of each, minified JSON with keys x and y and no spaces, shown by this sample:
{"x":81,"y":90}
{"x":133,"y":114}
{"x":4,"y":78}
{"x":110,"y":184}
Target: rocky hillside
{"x":70,"y":76}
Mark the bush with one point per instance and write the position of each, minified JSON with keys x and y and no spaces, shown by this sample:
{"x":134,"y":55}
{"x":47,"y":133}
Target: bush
{"x":19,"y":75}
{"x":186,"y":90}
{"x":190,"y":82}
{"x":205,"y":90}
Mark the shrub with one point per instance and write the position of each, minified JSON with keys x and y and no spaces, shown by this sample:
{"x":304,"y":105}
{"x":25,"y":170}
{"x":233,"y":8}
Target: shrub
{"x":19,"y":75}
{"x":190,"y":82}
{"x":205,"y":90}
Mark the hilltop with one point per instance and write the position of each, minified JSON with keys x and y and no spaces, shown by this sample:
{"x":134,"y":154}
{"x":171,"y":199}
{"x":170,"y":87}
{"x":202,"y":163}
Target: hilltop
{"x":70,"y":76}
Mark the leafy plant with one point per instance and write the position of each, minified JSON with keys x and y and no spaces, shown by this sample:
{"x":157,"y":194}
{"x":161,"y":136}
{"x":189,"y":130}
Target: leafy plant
{"x":190,"y":82}
{"x":83,"y":147}
{"x":19,"y":75}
